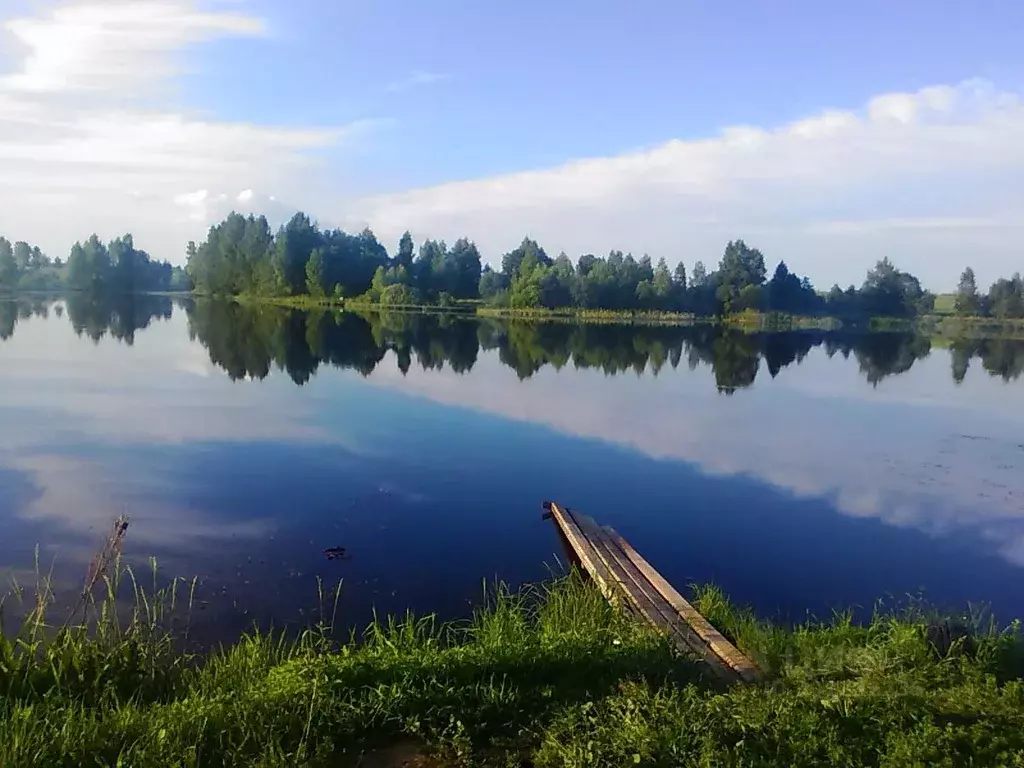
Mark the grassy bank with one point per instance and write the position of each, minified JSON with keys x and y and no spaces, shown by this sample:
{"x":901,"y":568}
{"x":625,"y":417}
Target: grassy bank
{"x":303,"y":301}
{"x":752,"y":321}
{"x":591,"y":315}
{"x":550,"y":676}
{"x":971,"y":327}
{"x":938,"y":325}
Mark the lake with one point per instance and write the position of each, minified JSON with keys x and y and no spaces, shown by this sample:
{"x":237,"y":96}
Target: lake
{"x":802,"y":471}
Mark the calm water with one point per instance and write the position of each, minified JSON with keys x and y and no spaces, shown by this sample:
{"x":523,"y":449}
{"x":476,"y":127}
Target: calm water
{"x":801,"y":471}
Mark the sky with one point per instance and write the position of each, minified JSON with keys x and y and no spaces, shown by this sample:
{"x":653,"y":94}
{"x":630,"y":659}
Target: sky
{"x":827,"y":136}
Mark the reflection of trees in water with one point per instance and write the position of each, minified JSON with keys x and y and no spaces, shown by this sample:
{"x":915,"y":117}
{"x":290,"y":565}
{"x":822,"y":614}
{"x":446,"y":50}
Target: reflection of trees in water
{"x":885,"y":354}
{"x":999,"y":357}
{"x":735,"y":362}
{"x":96,"y":314}
{"x":248,"y":341}
{"x":8,"y":319}
{"x":1002,"y":357}
{"x":21,"y":308}
{"x":241,"y":340}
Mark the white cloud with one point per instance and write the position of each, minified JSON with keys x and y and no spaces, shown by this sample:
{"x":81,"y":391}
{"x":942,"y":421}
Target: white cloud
{"x":934,"y":179}
{"x":113,"y":44}
{"x":87,"y":123}
{"x":208,"y":207}
{"x":416,"y":77}
{"x":924,"y":475}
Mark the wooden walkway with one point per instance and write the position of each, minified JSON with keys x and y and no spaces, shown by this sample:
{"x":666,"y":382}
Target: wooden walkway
{"x":625,"y":578}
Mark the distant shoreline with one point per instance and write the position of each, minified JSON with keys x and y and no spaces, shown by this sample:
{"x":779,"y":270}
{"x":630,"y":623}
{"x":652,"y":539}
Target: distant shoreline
{"x":933,"y":324}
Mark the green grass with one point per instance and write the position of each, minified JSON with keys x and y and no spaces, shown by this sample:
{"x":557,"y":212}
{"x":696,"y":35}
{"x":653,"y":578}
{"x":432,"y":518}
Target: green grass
{"x":752,"y":320}
{"x":940,"y":323}
{"x":945,"y":304}
{"x":302,"y":301}
{"x":951,"y":326}
{"x":575,"y":314}
{"x":550,"y":676}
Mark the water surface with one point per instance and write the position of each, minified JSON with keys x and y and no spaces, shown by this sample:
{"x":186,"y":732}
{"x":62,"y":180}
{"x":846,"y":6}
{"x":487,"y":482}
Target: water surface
{"x":802,"y":471}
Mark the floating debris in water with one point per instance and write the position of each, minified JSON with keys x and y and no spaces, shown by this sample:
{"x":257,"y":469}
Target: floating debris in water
{"x":336,"y":553}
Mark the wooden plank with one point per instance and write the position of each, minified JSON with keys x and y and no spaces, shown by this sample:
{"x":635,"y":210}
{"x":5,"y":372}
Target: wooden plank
{"x":685,"y":633}
{"x":644,"y":598}
{"x":624,"y":577}
{"x":650,"y":603}
{"x":639,"y":599}
{"x":584,"y":550}
{"x":729,"y":654}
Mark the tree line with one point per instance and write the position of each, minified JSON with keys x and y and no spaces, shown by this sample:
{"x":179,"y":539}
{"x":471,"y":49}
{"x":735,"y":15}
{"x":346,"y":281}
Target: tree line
{"x":243,"y":256}
{"x":24,"y":267}
{"x":115,"y":267}
{"x":1004,"y":300}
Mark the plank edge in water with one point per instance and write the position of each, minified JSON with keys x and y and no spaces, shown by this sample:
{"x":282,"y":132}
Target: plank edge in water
{"x":585,"y":551}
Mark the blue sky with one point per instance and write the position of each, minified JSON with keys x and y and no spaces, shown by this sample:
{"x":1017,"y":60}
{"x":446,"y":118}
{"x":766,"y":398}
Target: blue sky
{"x":532,"y":84}
{"x":155,"y":116}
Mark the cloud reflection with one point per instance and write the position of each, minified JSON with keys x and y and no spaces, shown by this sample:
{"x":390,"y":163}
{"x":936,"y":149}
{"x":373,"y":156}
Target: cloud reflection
{"x":941,"y":465}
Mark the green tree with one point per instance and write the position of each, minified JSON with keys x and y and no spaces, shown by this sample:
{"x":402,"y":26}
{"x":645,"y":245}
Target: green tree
{"x":430,"y":267}
{"x":528,"y":250}
{"x":968,"y":301}
{"x":663,"y":285}
{"x":679,"y":277}
{"x":398,"y":295}
{"x":750,"y":297}
{"x":889,"y":292}
{"x":787,"y":292}
{"x":38,"y":260}
{"x":89,"y":266}
{"x":700,"y":275}
{"x":295,"y":242}
{"x":646,"y":296}
{"x":23,"y":255}
{"x":463,"y":270}
{"x":78,"y":269}
{"x":492,"y":283}
{"x":741,"y":267}
{"x":406,"y":251}
{"x":1006,"y":298}
{"x":525,"y":291}
{"x":8,"y":266}
{"x":127,"y":265}
{"x":563,"y":267}
{"x":315,"y":274}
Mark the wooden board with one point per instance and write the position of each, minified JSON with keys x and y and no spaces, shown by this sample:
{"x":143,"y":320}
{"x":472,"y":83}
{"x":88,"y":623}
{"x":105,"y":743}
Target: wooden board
{"x":647,"y":601}
{"x":584,"y":551}
{"x":624,"y":577}
{"x":709,"y":636}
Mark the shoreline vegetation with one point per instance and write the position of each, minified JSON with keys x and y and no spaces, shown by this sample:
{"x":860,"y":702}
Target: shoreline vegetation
{"x":550,"y":675}
{"x":939,"y":325}
{"x":304,"y":265}
{"x":943,"y":326}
